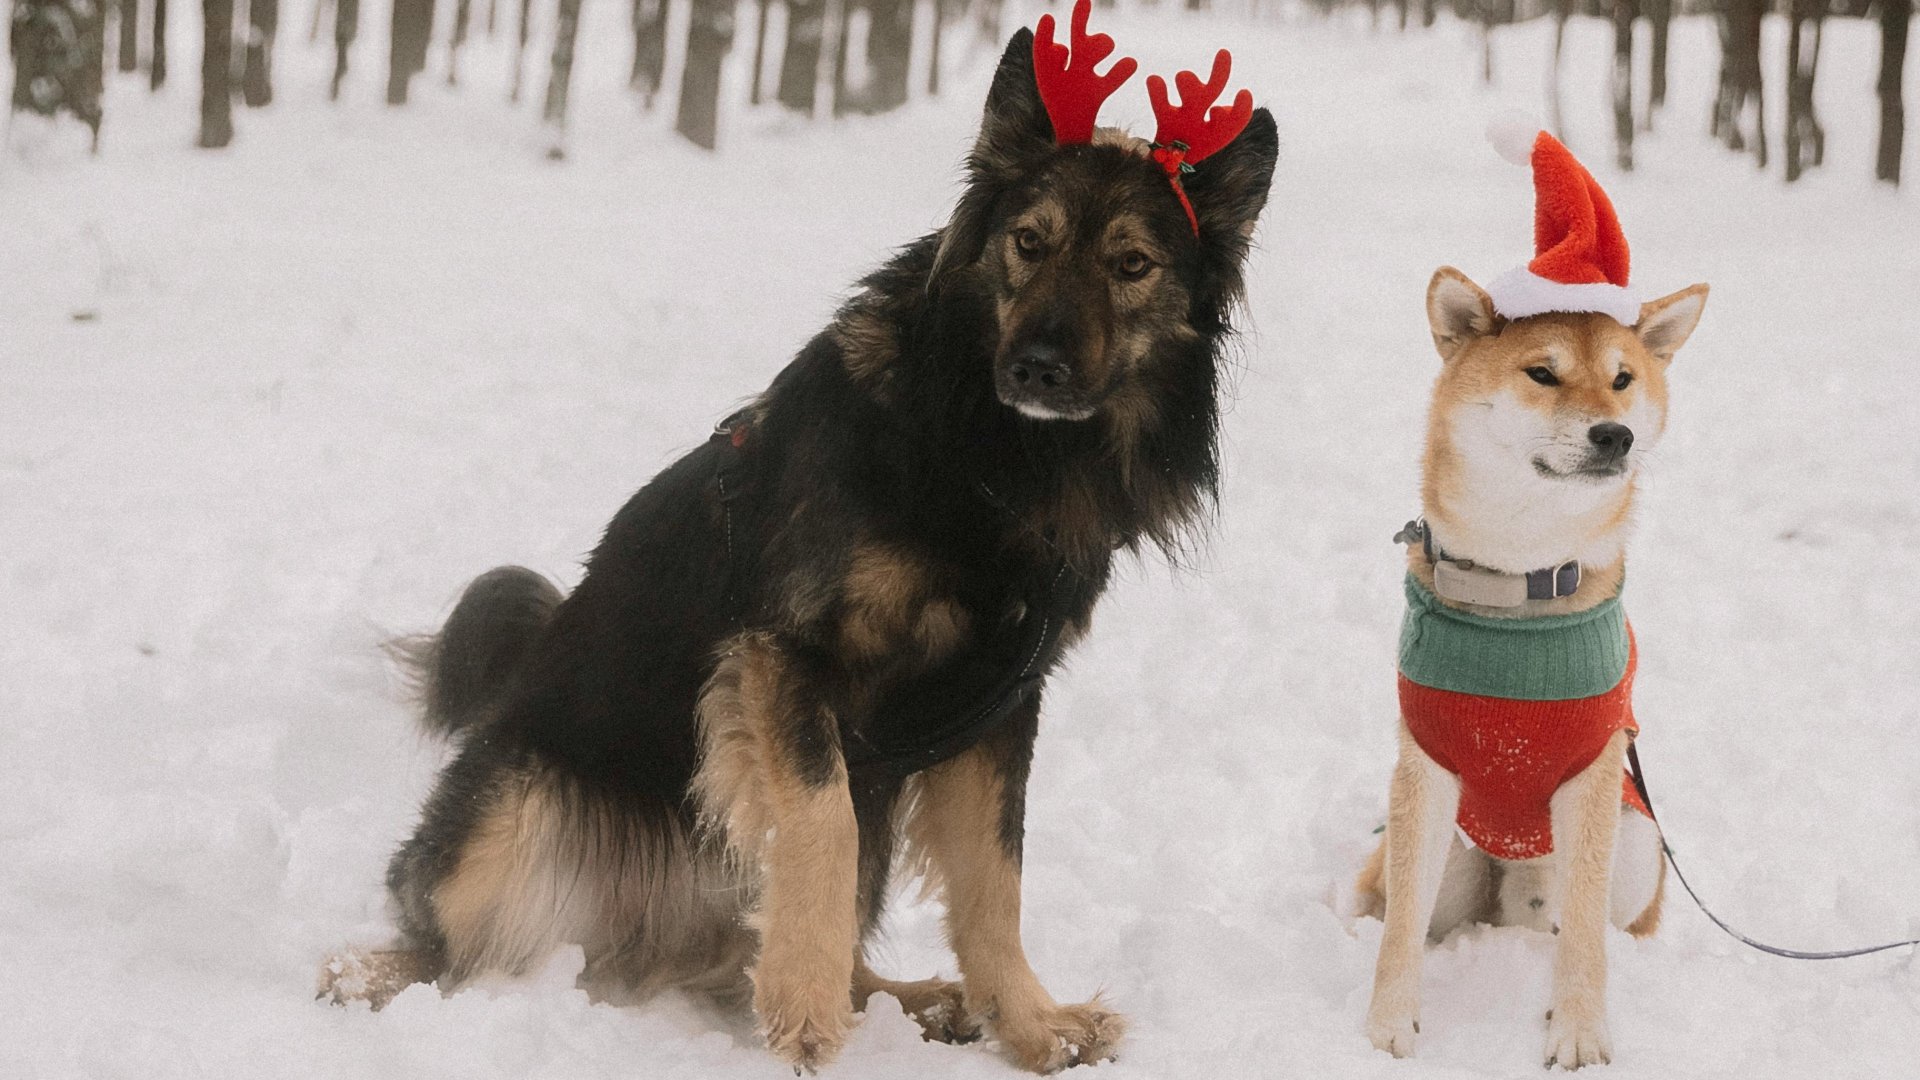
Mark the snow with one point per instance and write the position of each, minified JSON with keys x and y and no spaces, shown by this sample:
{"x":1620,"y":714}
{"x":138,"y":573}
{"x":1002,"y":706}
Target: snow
{"x":330,"y":374}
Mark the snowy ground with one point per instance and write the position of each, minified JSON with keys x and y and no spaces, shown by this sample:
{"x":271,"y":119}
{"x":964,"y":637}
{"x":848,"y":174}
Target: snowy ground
{"x":336,"y":371}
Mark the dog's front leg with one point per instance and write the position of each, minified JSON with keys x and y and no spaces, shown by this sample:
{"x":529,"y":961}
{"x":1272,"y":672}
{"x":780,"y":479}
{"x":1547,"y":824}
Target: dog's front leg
{"x":968,"y":824}
{"x":1421,"y":808}
{"x":806,"y":920}
{"x":1586,"y":814}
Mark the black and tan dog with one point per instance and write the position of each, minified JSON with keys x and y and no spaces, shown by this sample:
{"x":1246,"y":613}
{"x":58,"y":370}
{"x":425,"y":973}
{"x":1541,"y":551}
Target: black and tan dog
{"x":827,"y":627}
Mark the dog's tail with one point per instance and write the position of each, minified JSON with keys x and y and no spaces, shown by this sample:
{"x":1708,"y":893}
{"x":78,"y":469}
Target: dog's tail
{"x":462,"y":673}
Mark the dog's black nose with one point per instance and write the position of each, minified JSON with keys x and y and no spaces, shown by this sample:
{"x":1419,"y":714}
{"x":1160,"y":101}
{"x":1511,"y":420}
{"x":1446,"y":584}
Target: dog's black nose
{"x":1040,"y":367}
{"x":1612,"y":440}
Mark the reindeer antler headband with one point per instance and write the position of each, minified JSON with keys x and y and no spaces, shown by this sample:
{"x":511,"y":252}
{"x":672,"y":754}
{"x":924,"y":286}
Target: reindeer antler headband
{"x":1187,"y":134}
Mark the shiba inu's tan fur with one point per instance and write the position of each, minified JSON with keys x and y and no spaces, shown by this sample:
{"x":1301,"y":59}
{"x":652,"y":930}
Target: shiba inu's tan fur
{"x":1518,"y":476}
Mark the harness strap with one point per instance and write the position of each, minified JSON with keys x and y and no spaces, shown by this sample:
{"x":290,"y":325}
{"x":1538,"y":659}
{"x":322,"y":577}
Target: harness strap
{"x":1640,"y":785}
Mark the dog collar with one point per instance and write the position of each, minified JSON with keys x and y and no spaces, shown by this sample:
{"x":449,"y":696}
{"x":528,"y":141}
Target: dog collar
{"x":1464,"y":582}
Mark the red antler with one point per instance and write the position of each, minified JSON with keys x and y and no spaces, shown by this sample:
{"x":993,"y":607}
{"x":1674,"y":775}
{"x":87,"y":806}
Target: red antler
{"x":1192,"y":125}
{"x":1191,"y":132}
{"x":1068,"y":86}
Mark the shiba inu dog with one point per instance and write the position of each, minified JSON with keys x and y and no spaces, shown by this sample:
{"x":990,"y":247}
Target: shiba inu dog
{"x":814,"y":648}
{"x":1516,"y":660}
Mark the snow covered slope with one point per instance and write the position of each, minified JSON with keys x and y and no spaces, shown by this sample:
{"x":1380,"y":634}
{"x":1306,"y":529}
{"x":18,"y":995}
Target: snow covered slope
{"x":329,"y":375}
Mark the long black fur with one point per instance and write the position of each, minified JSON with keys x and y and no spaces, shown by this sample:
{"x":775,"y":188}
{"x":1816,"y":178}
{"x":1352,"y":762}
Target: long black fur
{"x":885,"y":429}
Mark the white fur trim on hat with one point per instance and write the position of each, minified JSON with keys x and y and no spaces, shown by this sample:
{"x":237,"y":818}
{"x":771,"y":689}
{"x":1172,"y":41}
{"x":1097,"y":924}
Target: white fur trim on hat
{"x":1520,"y":293}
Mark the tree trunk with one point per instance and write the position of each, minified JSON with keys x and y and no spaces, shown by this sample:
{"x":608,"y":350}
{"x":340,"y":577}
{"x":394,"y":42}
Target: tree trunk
{"x":1562,"y":11}
{"x":554,"y":113}
{"x":837,"y":24}
{"x":346,"y":27}
{"x":1623,"y":13}
{"x":940,"y":16}
{"x":1895,"y":16}
{"x":256,"y":79}
{"x":159,"y":70}
{"x":1660,"y":14}
{"x":650,"y":47}
{"x":520,"y":50}
{"x":1428,"y":12}
{"x":462,"y":15}
{"x":709,"y":36}
{"x":216,"y":62}
{"x":889,"y":44}
{"x":987,"y":14}
{"x":1490,"y":13}
{"x":759,"y":48}
{"x":800,"y":60}
{"x":129,"y":35}
{"x":59,"y":59}
{"x":412,"y":32}
{"x":1740,"y":92}
{"x":1806,"y":139}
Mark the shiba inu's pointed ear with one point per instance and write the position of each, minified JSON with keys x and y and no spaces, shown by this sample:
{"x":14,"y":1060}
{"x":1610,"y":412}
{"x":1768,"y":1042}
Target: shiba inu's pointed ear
{"x":1229,"y":188}
{"x":1014,"y":132}
{"x":1458,"y":311}
{"x":1666,"y":323}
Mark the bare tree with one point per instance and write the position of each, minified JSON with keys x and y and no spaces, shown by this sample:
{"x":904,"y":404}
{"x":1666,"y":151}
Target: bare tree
{"x":216,"y":64}
{"x":256,"y":77}
{"x":759,"y":47}
{"x":942,"y":14}
{"x":346,"y":27}
{"x":650,"y":48}
{"x":800,"y":60}
{"x":1562,"y":11}
{"x":412,"y":32}
{"x":1491,"y":13}
{"x":462,"y":14}
{"x":129,"y":34}
{"x":709,"y":36}
{"x":1740,"y":94}
{"x":520,"y":49}
{"x":158,"y":72}
{"x":1660,"y":15}
{"x":554,"y":113}
{"x":1806,"y":139}
{"x":1895,"y":17}
{"x":889,"y":44}
{"x":58,"y":48}
{"x":1623,"y":15}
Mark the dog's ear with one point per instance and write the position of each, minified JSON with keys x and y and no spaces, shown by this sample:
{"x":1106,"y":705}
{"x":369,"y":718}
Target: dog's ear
{"x":1458,"y":311}
{"x":1229,"y":189}
{"x":1666,"y":323}
{"x":1014,"y":133}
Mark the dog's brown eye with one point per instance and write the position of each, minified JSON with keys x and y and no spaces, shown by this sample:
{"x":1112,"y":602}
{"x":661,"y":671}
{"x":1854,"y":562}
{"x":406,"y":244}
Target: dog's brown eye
{"x":1029,"y":243}
{"x":1621,"y":381}
{"x":1543,"y":376}
{"x":1134,"y":266}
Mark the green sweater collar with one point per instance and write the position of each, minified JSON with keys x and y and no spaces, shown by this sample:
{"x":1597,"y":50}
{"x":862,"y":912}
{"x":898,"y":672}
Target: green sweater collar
{"x":1547,"y":658}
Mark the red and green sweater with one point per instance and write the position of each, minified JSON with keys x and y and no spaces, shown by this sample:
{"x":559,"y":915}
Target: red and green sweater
{"x":1515,"y":708}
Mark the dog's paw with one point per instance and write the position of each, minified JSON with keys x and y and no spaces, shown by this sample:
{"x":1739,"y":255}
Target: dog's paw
{"x":373,"y":977}
{"x":1392,"y":1030}
{"x":1575,"y":1038}
{"x":939,"y":1007}
{"x":1061,"y":1036}
{"x":805,"y":1030}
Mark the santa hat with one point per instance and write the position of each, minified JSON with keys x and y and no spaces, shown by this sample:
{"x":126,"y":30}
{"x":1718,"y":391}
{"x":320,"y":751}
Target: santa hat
{"x":1580,"y":254}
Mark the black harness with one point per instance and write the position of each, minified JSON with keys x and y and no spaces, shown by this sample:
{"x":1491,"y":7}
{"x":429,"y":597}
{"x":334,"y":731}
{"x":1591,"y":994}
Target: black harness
{"x":961,"y":701}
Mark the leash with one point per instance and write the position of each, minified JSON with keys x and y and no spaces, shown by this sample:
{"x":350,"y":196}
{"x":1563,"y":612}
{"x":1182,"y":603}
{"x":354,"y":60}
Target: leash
{"x":1640,"y":785}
